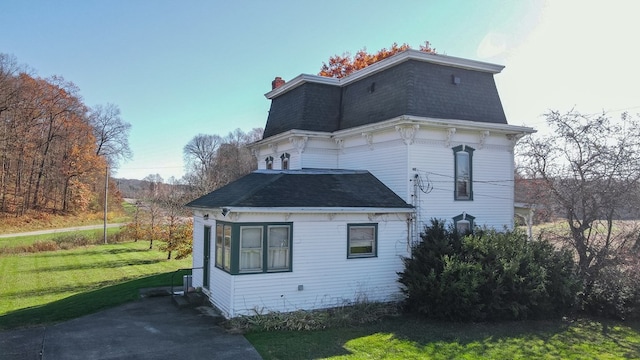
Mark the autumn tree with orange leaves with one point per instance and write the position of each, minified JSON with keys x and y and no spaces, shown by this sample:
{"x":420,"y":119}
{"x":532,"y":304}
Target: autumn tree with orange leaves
{"x":50,"y":159}
{"x":340,"y":66}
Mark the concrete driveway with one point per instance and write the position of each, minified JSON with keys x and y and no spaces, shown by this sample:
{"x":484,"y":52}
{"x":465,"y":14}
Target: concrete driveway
{"x":150,"y":328}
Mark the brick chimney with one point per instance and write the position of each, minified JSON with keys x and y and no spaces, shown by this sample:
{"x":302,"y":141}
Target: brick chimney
{"x":276,"y":83}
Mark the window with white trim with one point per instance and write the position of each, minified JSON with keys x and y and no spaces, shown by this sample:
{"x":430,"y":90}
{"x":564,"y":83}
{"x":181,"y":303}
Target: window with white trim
{"x":278,"y":240}
{"x":223,"y":246}
{"x":245,"y":248}
{"x":250,"y":248}
{"x":463,"y":172}
{"x":362,"y":240}
{"x":269,"y":162}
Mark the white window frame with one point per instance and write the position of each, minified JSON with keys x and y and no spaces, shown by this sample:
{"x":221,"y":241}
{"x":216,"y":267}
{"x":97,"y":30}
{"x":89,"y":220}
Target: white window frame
{"x":460,"y":178}
{"x":287,"y":255}
{"x":374,"y":241}
{"x":249,"y":251}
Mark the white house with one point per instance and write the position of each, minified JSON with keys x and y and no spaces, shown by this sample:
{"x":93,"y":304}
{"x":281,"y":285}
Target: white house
{"x":349,"y":171}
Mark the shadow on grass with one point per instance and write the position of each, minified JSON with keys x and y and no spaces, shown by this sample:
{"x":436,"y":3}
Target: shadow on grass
{"x":407,"y":337}
{"x":99,"y":250}
{"x":85,"y":303}
{"x":99,"y":265}
{"x":54,"y":290}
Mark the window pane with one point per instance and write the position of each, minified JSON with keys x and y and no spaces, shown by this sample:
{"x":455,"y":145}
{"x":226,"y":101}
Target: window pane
{"x":278,"y":254}
{"x":463,"y":226}
{"x":462,"y":188}
{"x":463,"y":172}
{"x":219,"y":247}
{"x":251,"y":237}
{"x":251,"y":249}
{"x":362,"y":241}
{"x":227,"y":247}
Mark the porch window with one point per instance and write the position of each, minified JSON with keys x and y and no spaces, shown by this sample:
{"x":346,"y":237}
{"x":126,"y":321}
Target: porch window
{"x":463,"y":173}
{"x":246,"y":248}
{"x":278,"y":248}
{"x":362,"y":240}
{"x":269,"y":162}
{"x":250,"y":248}
{"x":223,"y":246}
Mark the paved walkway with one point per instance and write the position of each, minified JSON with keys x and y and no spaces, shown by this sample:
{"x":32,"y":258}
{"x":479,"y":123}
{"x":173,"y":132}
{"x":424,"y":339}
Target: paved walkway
{"x":62,"y":230}
{"x":150,"y":328}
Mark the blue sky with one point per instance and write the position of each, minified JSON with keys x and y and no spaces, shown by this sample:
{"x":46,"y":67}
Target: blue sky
{"x":179,"y":68}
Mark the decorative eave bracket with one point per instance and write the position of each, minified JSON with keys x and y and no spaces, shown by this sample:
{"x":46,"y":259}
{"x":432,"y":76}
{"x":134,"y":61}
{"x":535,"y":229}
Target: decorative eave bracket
{"x":483,"y":138}
{"x":450,"y":132}
{"x":368,"y":138}
{"x":513,"y":139}
{"x":408,"y":133}
{"x":299,"y":142}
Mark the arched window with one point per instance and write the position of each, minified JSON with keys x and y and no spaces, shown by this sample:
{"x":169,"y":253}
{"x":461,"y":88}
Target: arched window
{"x":464,"y":223}
{"x":269,"y":162}
{"x":463,"y":172}
{"x":285,"y":161}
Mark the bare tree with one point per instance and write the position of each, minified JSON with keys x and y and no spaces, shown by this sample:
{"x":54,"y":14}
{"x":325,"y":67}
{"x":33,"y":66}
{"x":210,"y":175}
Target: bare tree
{"x":590,"y":167}
{"x":215,"y":161}
{"x":200,"y":156}
{"x":9,"y":70}
{"x":111,"y":133}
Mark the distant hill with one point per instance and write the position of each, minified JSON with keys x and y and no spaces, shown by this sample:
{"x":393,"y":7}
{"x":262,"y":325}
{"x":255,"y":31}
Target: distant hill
{"x":133,"y":188}
{"x":137,"y":189}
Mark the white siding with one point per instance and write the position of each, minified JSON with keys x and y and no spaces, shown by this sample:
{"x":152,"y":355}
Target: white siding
{"x":320,"y":265}
{"x":386,"y":160}
{"x":220,"y":290}
{"x":318,"y":158}
{"x":198,"y":249}
{"x":492,"y":203}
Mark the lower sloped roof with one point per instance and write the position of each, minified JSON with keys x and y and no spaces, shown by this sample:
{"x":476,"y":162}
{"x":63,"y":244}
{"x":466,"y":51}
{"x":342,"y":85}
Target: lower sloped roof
{"x":306,"y":188}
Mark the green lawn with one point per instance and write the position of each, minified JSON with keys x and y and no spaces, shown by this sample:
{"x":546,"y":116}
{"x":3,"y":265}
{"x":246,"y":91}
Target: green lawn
{"x":409,"y":338}
{"x":30,"y":239}
{"x":58,"y":285}
{"x":40,"y":288}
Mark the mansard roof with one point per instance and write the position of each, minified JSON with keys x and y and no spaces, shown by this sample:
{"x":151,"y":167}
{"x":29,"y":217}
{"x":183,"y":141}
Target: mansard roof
{"x":306,"y":188}
{"x":409,"y":83}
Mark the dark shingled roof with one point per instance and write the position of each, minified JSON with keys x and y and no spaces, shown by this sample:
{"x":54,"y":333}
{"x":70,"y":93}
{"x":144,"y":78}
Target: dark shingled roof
{"x":409,"y":88}
{"x":303,"y":188}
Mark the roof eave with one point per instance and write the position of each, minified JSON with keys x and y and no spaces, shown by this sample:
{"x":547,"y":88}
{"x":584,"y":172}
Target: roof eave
{"x":288,"y":135}
{"x":319,"y":210}
{"x":385,"y":64}
{"x":435,"y":122}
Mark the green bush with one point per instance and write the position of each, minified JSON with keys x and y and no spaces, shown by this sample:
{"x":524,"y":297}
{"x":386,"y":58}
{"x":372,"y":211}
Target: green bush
{"x":489,"y":275}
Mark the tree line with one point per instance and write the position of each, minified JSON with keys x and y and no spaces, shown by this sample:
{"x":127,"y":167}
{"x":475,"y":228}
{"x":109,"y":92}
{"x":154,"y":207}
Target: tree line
{"x":54,"y":149}
{"x":212,"y":161}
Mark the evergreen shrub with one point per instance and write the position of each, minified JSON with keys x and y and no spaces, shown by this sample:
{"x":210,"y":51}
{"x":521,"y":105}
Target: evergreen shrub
{"x":487,"y":275}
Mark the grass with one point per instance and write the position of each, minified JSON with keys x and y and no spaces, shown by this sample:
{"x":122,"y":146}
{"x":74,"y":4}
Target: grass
{"x":410,"y":338}
{"x":30,"y":239}
{"x":47,"y":287}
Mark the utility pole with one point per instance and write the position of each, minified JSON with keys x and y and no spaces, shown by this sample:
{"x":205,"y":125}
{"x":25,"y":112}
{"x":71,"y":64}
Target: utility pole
{"x":106,"y":201}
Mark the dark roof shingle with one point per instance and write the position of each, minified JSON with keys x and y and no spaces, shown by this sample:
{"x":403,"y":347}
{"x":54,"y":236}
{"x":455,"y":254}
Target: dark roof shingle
{"x":308,"y":188}
{"x":412,"y":87}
